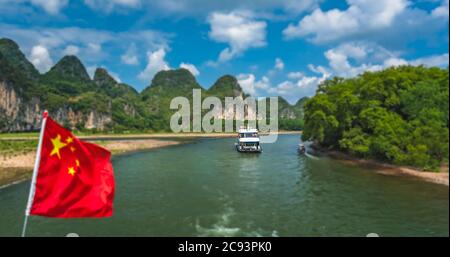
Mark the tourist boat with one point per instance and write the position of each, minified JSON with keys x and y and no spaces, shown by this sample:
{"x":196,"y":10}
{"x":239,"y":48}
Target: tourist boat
{"x":248,"y":141}
{"x":301,"y":149}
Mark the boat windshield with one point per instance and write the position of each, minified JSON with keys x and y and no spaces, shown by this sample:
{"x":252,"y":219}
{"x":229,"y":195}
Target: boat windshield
{"x":243,"y":135}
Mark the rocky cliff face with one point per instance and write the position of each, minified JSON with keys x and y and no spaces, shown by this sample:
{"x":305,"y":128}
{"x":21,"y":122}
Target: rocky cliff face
{"x":19,"y":115}
{"x":15,"y":114}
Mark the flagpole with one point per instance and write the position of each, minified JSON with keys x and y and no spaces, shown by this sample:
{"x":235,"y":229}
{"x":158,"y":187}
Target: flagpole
{"x":35,"y":172}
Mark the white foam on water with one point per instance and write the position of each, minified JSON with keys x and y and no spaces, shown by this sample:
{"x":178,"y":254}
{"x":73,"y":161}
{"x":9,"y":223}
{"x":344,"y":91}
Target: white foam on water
{"x":13,"y":183}
{"x":221,"y":227}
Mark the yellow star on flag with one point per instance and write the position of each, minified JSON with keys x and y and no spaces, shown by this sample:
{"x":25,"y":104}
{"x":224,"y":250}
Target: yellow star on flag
{"x":71,"y":171}
{"x":69,"y":140}
{"x":57,"y":145}
{"x":77,"y":162}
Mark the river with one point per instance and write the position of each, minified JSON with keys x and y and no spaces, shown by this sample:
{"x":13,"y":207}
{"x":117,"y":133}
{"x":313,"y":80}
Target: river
{"x":206,"y":188}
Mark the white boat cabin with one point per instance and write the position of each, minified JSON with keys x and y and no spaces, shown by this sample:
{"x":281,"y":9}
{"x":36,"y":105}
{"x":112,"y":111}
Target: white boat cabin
{"x":248,"y":140}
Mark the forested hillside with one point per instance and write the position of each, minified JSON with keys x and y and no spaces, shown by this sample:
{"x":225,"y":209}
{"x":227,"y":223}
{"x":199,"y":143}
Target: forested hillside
{"x":100,"y":103}
{"x":399,"y":114}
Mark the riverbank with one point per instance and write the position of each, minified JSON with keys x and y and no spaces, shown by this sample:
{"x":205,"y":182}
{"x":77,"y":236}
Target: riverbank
{"x":34,"y":136}
{"x":16,"y":167}
{"x":441,"y":177}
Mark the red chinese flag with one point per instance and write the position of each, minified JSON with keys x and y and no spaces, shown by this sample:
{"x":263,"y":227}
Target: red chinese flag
{"x":75,"y":178}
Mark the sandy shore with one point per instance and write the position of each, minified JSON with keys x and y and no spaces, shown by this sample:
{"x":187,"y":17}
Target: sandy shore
{"x":441,"y":177}
{"x":19,"y":167}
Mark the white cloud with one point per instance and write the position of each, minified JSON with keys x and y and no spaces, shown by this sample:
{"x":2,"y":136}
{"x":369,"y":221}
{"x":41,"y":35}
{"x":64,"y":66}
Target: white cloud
{"x":94,"y":46}
{"x":110,"y":5}
{"x":252,"y":86}
{"x":130,"y":57}
{"x":247,"y":82}
{"x":291,"y":90}
{"x":361,"y":15}
{"x":239,"y":30}
{"x":295,"y":75}
{"x":41,"y":59}
{"x":393,"y":61}
{"x":264,"y":8}
{"x":432,"y":61}
{"x":441,"y":11}
{"x":191,"y":68}
{"x":50,"y":6}
{"x":91,"y":70}
{"x":279,"y":64}
{"x":318,"y":69}
{"x":156,"y":62}
{"x":353,"y":58}
{"x":71,"y":50}
{"x":298,"y":87}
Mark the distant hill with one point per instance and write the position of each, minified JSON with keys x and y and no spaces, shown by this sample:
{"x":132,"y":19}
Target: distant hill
{"x":226,"y":86}
{"x":101,"y":103}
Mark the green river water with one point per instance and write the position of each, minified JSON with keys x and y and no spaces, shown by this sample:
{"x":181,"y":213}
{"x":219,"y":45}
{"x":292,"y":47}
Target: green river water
{"x":206,"y":188}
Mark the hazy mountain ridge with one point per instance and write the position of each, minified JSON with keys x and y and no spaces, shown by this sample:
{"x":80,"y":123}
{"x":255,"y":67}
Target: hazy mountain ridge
{"x":101,"y":103}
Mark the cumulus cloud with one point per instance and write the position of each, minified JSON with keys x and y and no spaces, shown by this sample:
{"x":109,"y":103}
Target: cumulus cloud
{"x":252,"y":86}
{"x":50,"y":6}
{"x":345,"y":60}
{"x":191,"y":68}
{"x":295,"y":75}
{"x":239,"y":30}
{"x":247,"y":82}
{"x":298,"y":86}
{"x":91,"y":45}
{"x":441,"y":11}
{"x":440,"y":60}
{"x":130,"y":57}
{"x":110,"y":5}
{"x":40,"y":57}
{"x":71,"y":50}
{"x":264,"y":8}
{"x":156,"y":62}
{"x":353,"y":58}
{"x":361,"y":15}
{"x":279,"y":64}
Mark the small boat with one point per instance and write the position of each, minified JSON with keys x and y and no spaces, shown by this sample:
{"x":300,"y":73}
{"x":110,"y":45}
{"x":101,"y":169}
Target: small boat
{"x":248,"y":141}
{"x":301,"y":149}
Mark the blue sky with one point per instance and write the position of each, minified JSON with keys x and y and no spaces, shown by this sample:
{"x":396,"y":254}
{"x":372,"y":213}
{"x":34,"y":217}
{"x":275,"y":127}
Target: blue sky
{"x":282,"y":47}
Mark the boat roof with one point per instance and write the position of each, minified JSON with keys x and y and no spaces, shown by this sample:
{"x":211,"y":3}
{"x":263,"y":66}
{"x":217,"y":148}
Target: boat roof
{"x":249,"y":139}
{"x":247,"y":130}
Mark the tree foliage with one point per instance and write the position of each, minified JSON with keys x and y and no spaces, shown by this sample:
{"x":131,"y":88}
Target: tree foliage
{"x":400,"y":115}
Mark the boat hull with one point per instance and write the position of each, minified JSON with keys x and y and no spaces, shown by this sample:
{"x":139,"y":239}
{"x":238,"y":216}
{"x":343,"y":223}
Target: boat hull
{"x":248,"y":150}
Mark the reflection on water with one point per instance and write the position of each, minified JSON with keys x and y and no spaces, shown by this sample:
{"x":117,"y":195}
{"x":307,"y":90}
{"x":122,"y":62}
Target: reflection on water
{"x":208,"y":189}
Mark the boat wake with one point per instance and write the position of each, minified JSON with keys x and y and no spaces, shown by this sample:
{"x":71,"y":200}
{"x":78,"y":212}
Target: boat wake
{"x":221,"y":227}
{"x":311,"y":156}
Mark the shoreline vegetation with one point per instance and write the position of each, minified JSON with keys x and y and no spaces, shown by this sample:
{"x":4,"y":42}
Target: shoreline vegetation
{"x":437,"y":177}
{"x":399,"y":115}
